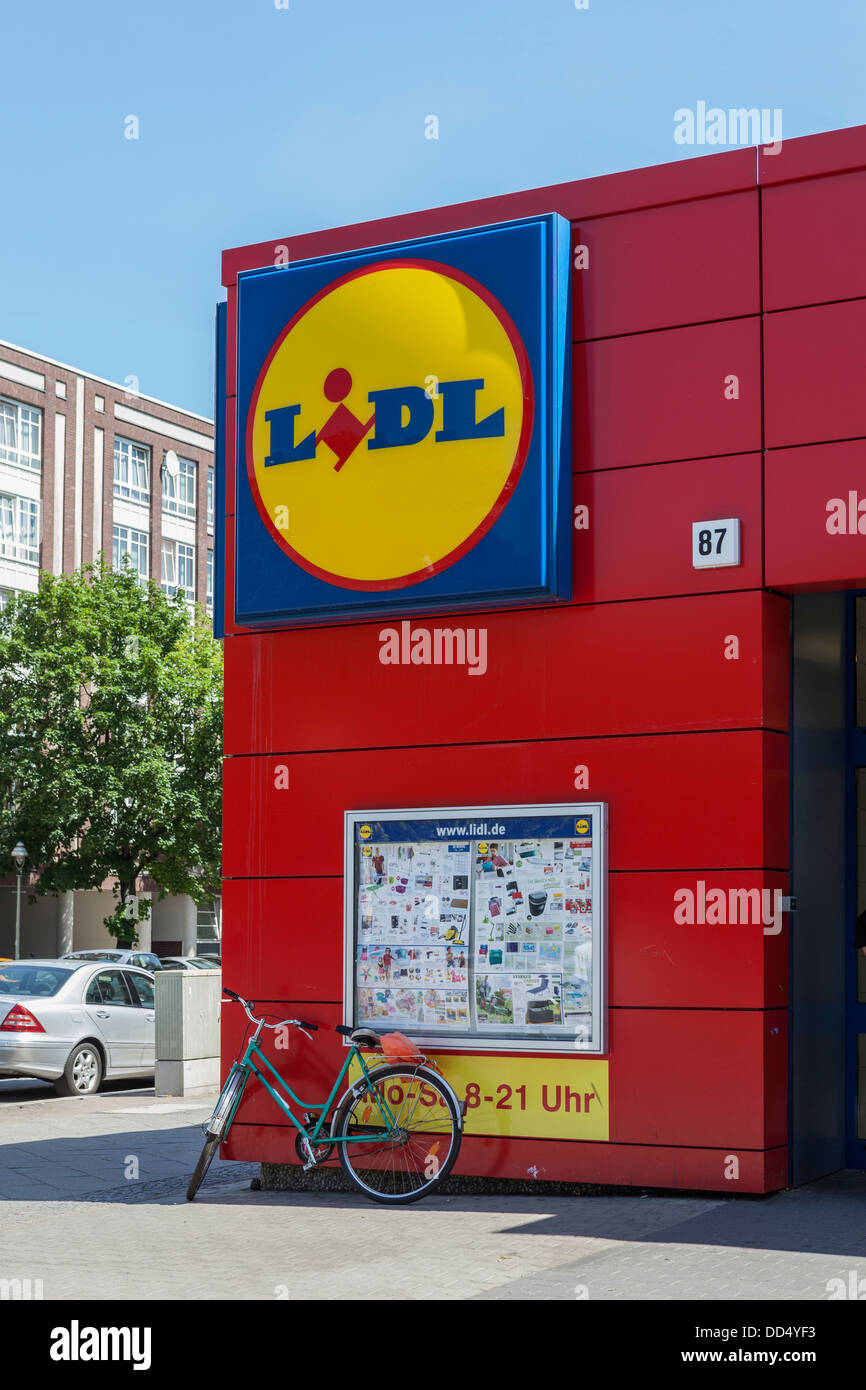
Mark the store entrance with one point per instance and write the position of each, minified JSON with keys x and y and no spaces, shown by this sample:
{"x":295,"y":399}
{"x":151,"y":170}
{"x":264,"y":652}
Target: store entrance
{"x":856,"y":897}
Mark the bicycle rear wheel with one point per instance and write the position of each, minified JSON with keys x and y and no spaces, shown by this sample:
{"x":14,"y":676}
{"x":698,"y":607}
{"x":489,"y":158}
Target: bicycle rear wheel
{"x":403,"y":1164}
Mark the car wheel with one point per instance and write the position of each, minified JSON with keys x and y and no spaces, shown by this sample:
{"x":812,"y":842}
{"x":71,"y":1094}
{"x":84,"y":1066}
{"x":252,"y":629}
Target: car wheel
{"x":82,"y":1075}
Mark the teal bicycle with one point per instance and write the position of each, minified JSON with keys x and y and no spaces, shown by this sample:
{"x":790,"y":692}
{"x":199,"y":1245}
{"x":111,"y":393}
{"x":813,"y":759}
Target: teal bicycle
{"x":397,"y":1128}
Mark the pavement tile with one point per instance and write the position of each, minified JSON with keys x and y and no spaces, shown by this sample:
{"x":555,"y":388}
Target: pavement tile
{"x":63,"y":1158}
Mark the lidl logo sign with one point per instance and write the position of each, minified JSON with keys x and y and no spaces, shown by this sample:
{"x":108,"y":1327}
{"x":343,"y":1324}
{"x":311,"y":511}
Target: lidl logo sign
{"x":402,"y":436}
{"x":435,"y":406}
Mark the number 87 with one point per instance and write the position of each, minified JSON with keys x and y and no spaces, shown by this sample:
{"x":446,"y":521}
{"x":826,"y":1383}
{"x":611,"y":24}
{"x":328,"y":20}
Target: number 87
{"x":705,"y":540}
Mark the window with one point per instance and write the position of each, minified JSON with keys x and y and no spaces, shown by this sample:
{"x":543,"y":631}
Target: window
{"x":94,"y":955}
{"x":99,"y":403}
{"x":178,"y":493}
{"x":145,"y":960}
{"x":19,"y":529}
{"x":20,"y":435}
{"x":208,"y":929}
{"x":209,"y":582}
{"x":178,"y":568}
{"x":128,"y":541}
{"x":32,"y":981}
{"x":142,"y":990}
{"x":210,"y":497}
{"x":131,"y":471}
{"x":60,"y":390}
{"x":5,"y":596}
{"x":108,"y":987}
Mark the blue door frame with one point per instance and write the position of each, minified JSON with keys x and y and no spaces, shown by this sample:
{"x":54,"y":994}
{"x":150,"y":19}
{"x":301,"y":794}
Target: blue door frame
{"x":855,"y":1012}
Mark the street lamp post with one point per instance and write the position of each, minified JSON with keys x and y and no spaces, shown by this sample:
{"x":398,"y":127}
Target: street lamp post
{"x":19,"y":854}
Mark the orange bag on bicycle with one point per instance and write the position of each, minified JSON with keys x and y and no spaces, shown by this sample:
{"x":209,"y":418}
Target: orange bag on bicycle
{"x":398,"y":1048}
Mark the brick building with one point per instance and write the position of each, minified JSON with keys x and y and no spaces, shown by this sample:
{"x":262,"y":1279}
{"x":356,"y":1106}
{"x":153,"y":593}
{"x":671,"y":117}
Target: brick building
{"x":89,"y":466}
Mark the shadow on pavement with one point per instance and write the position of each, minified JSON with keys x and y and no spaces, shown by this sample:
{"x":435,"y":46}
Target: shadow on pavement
{"x":154,"y":1164}
{"x":132,"y":1165}
{"x":18,"y":1092}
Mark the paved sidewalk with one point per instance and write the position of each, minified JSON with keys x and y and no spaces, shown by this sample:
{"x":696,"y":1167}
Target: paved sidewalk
{"x":81,"y":1147}
{"x":71,"y":1215}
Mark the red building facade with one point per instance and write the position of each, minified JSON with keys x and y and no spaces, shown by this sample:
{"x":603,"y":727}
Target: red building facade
{"x":719,"y":332}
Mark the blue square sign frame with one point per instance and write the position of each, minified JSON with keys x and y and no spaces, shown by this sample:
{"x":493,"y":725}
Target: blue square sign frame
{"x":524,"y":558}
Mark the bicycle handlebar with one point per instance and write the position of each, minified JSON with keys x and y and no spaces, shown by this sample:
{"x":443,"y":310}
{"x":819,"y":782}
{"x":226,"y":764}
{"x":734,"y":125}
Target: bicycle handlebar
{"x":283,"y":1023}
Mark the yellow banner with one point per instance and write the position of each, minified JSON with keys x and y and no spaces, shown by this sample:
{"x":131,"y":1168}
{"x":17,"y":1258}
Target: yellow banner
{"x":530,"y":1097}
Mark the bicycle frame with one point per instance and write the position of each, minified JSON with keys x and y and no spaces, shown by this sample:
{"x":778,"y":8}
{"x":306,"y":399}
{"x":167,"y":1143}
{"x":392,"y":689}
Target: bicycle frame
{"x":254,"y":1054}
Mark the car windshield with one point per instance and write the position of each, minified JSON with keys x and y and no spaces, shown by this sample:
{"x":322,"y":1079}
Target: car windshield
{"x":34,"y":981}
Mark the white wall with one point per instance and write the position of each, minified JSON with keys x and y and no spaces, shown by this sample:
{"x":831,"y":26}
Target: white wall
{"x":40,"y":922}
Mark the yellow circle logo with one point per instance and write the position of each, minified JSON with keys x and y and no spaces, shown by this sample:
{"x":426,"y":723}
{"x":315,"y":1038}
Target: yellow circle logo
{"x":389,"y":424}
{"x":581,"y":827}
{"x":365,"y":831}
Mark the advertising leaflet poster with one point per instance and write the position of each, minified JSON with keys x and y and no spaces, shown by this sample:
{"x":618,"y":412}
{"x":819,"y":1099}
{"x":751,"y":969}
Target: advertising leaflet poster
{"x":482,"y":935}
{"x":412,"y":943}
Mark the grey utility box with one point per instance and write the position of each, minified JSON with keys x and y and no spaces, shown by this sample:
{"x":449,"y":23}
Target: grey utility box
{"x":187,"y":1031}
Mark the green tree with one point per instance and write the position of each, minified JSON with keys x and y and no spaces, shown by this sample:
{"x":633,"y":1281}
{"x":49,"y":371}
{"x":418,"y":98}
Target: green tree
{"x":110,"y":729}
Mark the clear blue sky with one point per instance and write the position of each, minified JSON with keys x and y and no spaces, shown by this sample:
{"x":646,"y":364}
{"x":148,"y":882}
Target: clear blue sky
{"x":258,"y":122}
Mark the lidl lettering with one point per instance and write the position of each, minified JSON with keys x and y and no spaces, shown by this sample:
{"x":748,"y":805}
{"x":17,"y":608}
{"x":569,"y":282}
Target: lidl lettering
{"x":473,"y":829}
{"x":402,"y":415}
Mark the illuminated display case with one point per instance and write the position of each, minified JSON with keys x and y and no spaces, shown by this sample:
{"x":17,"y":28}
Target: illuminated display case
{"x":482,"y":925}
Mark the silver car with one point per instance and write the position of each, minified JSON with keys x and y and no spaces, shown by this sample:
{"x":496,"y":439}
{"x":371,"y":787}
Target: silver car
{"x":189,"y":963}
{"x":145,"y":959}
{"x":76,"y":1023}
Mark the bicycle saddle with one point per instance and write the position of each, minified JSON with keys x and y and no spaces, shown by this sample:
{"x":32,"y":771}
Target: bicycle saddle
{"x":361,"y":1037}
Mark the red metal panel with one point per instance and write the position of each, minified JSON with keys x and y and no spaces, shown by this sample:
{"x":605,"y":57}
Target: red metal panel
{"x":649,"y":269}
{"x":653,"y":397}
{"x":283,"y":937}
{"x":719,"y":957}
{"x":712,"y":800}
{"x":639,"y":540}
{"x":552,"y":1160}
{"x":813,"y":237}
{"x":657,"y":665}
{"x":682,"y":179}
{"x":814,"y":367}
{"x":829,"y":153}
{"x":231,"y":341}
{"x":708,"y":1077}
{"x":807,"y":492}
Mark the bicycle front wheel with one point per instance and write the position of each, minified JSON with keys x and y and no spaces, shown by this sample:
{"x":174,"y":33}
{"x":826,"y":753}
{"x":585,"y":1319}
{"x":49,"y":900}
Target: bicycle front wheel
{"x":407,"y":1160}
{"x":211,"y":1144}
{"x":218,"y":1126}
